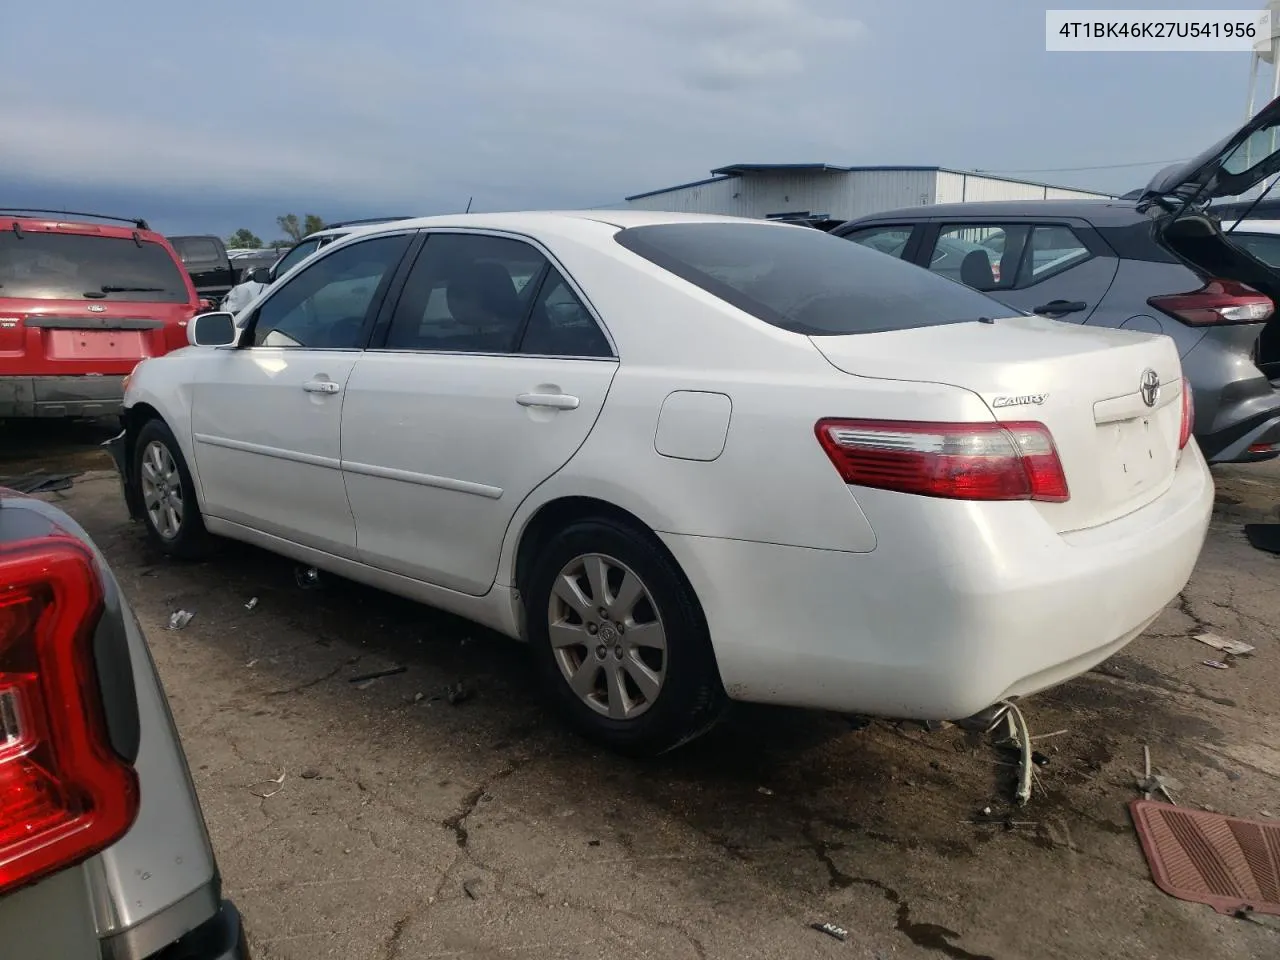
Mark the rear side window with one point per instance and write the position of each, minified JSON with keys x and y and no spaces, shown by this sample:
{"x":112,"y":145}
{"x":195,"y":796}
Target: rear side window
{"x":805,"y":280}
{"x":70,"y":266}
{"x":1264,"y":246}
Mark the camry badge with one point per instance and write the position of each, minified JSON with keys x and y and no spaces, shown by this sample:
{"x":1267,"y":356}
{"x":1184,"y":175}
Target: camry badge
{"x":96,"y":308}
{"x":1026,"y":399}
{"x":1149,"y":387}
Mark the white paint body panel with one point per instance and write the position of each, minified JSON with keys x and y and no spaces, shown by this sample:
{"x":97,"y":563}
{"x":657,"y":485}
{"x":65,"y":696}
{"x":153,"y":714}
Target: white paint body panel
{"x":693,"y":425}
{"x":817,"y":594}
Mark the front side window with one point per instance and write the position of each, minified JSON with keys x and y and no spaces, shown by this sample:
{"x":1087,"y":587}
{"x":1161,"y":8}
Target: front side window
{"x":325,"y":306}
{"x":299,"y":252}
{"x":467,"y":293}
{"x":76,"y":266}
{"x":890,"y":240}
{"x":805,"y":280}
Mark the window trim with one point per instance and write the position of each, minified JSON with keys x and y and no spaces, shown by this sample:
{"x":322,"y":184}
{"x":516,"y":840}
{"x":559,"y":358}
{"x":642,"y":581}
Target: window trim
{"x":249,"y":331}
{"x":382,"y":328}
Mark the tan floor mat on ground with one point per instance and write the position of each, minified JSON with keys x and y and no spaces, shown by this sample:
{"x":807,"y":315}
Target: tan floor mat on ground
{"x":1229,"y":863}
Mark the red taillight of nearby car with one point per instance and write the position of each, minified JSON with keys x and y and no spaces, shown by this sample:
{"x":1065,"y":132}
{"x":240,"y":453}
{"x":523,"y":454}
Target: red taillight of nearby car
{"x":958,"y":461}
{"x":1217,"y":303}
{"x":1188,"y":414}
{"x":64,"y":794}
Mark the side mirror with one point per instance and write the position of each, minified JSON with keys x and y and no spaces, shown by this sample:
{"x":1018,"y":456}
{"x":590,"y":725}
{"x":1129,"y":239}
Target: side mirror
{"x":261,"y":275}
{"x":212,"y":330}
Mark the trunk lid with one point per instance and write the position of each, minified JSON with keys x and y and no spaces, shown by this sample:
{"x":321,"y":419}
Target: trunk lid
{"x":1229,"y":168}
{"x":41,"y":338}
{"x":1094,"y":388}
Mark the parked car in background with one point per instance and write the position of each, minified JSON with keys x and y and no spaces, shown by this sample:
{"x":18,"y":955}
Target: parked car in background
{"x":1157,"y":262}
{"x":83,"y":298}
{"x":256,"y":281}
{"x":103,"y":849}
{"x":245,"y":261}
{"x":688,"y":459}
{"x":205,"y":258}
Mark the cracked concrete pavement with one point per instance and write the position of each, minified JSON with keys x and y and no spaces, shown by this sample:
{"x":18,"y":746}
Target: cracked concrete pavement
{"x":410,"y":826}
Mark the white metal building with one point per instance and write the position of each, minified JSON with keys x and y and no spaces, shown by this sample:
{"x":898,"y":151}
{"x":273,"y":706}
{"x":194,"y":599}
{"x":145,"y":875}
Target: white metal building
{"x":824,"y":191}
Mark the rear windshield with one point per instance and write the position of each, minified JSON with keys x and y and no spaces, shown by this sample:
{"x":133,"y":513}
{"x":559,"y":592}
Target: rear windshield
{"x":807,"y":281}
{"x":66,"y":266}
{"x":196,"y":249}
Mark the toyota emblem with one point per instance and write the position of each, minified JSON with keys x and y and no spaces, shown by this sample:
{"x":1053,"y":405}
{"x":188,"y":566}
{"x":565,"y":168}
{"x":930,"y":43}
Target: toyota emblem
{"x":1149,"y":387}
{"x":96,"y":308}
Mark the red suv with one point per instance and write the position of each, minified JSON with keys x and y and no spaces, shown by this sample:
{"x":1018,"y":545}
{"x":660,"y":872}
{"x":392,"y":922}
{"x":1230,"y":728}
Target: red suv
{"x":80,"y":305}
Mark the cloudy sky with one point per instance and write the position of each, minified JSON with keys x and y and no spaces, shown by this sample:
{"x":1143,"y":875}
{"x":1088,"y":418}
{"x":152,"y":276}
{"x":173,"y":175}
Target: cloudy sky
{"x":207,"y":117}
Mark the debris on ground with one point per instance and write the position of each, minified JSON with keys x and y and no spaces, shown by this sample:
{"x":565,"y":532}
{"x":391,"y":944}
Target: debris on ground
{"x":308,"y":578}
{"x":457,"y":693}
{"x":764,"y":791}
{"x":831,"y":930}
{"x":1263,"y":536}
{"x":278,"y":781}
{"x":1216,"y":664}
{"x":251,"y":603}
{"x":1018,"y":737}
{"x":252,"y":663}
{"x":179,"y":619}
{"x":474,"y":889}
{"x":1236,"y":648}
{"x":1046,"y":736}
{"x":311,"y":773}
{"x":39,"y":481}
{"x":362,"y":678}
{"x":1150,"y":784}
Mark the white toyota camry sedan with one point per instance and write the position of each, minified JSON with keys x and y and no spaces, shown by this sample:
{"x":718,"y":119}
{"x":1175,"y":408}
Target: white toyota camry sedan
{"x":688,"y":460}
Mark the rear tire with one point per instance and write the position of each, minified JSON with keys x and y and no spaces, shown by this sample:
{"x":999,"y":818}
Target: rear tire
{"x":165,"y":491}
{"x":620,"y":639}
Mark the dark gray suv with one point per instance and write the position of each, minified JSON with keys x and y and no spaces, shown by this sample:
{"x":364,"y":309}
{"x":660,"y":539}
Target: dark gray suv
{"x":1159,"y":263}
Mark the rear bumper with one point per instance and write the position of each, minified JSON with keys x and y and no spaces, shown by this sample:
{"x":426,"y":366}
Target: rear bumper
{"x":959,"y":606}
{"x":1246,"y":412}
{"x":222,"y":937}
{"x":86,"y":396}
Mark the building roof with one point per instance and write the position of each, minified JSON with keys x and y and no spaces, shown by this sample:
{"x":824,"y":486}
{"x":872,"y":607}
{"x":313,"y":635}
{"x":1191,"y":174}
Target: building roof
{"x":739,"y":169}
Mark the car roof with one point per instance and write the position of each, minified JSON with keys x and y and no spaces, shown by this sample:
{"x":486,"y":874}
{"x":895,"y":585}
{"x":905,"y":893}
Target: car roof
{"x":563,"y":222}
{"x":1102,"y":213}
{"x":41,"y":224}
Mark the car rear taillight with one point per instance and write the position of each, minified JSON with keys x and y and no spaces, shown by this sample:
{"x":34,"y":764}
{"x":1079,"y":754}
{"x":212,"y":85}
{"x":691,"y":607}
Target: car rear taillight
{"x":959,"y":461}
{"x":1188,"y":415}
{"x":64,"y":794}
{"x":1217,"y":303}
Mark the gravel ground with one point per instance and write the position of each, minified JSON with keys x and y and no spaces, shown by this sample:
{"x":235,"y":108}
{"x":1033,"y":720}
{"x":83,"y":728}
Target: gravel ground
{"x":410,"y":826}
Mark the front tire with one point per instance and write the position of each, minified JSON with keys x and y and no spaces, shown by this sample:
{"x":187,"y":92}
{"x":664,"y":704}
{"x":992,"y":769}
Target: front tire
{"x":621,"y":640}
{"x":164,"y":489}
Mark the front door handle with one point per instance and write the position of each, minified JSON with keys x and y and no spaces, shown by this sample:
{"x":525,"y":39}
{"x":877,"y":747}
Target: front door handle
{"x":552,"y":401}
{"x":1057,"y":308}
{"x":321,"y":386}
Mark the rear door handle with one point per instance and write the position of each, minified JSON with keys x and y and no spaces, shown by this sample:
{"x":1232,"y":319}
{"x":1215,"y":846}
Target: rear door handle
{"x":321,"y":386}
{"x":552,"y":401}
{"x":1060,"y":307}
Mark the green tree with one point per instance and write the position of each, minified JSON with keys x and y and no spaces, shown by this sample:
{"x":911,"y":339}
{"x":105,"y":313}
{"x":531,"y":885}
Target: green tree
{"x":290,"y":226}
{"x":295,"y":229}
{"x":244,"y":239}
